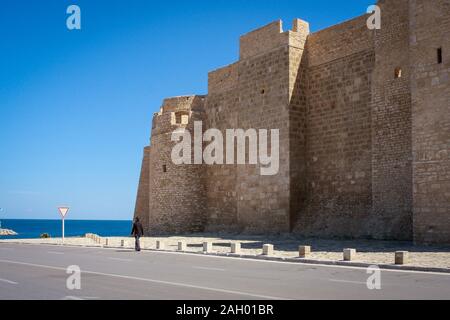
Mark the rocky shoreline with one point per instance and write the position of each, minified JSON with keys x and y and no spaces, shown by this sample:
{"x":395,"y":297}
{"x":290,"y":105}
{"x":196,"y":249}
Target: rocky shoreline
{"x":6,"y":232}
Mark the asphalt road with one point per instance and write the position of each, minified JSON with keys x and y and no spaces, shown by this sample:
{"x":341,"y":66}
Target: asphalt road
{"x":40,"y":272}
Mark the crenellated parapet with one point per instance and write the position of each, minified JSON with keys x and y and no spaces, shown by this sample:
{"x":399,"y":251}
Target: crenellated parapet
{"x":178,"y":112}
{"x":271,"y":37}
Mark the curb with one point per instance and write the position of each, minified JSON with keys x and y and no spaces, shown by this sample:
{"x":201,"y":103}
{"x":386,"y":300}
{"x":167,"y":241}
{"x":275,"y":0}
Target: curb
{"x":320,"y":262}
{"x":266,"y":258}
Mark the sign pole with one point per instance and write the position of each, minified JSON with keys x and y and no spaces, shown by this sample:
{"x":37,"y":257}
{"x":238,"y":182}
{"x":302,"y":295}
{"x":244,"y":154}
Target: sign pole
{"x":63,"y":230}
{"x":63,"y":211}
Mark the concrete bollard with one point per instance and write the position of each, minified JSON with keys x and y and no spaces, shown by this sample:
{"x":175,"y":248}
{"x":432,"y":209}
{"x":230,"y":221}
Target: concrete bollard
{"x":159,"y":245}
{"x":236,"y":247}
{"x":349,"y":254}
{"x":401,"y":257}
{"x":181,"y":246}
{"x":268,"y":250}
{"x":122,"y":243}
{"x":207,"y":247}
{"x":304,"y":251}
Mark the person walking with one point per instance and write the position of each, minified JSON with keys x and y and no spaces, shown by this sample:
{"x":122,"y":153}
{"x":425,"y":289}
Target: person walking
{"x":137,"y":232}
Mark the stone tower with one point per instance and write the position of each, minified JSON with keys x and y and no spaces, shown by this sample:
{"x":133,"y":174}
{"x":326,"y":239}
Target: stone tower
{"x":364,"y":120}
{"x":171,"y":197}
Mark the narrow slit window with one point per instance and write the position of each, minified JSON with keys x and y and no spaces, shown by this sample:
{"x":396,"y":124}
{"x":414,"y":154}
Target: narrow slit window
{"x":398,"y":73}
{"x":164,"y":167}
{"x":439,"y":55}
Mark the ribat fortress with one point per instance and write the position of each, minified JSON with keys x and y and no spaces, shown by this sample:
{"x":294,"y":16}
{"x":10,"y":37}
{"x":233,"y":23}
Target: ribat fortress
{"x":364,"y":120}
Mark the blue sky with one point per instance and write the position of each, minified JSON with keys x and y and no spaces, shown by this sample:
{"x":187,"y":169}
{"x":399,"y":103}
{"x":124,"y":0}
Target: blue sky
{"x":76,"y":106}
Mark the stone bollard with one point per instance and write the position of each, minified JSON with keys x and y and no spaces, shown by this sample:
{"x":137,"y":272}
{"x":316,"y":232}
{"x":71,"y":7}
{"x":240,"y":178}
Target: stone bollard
{"x":349,"y":254}
{"x":304,"y":251}
{"x":181,"y":246}
{"x":268,"y":250}
{"x":143,"y":243}
{"x":401,"y":257}
{"x":236,"y":247}
{"x":207,"y":247}
{"x":122,"y":243}
{"x":159,"y":245}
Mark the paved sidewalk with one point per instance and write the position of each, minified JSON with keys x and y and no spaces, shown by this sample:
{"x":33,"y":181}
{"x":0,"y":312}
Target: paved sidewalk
{"x":368,"y":251}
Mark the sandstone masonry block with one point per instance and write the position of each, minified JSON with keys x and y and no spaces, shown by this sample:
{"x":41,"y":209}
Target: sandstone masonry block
{"x":401,"y":257}
{"x":349,"y":254}
{"x":160,"y":245}
{"x":207,"y":247}
{"x":304,"y":251}
{"x":268,"y":250}
{"x":236,"y":247}
{"x":181,"y":246}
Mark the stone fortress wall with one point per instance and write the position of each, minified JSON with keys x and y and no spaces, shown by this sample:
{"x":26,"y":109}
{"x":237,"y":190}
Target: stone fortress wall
{"x":364,"y":119}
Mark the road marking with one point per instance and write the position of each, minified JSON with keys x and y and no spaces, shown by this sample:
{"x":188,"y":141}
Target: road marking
{"x":120,"y":259}
{"x":317,"y":265}
{"x":212,"y":269}
{"x":176,"y":284}
{"x":72,"y":298}
{"x":55,"y":252}
{"x":347,"y":281}
{"x":8,"y":281}
{"x":79,"y":298}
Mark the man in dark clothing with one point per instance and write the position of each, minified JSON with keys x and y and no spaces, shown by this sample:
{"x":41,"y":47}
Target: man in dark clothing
{"x":137,"y":232}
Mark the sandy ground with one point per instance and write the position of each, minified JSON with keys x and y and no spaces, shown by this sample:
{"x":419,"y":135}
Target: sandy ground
{"x":369,"y":251}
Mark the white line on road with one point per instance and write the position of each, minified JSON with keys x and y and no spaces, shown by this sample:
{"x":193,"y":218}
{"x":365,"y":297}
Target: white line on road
{"x":8,"y":281}
{"x":79,"y":298}
{"x":177,"y":284}
{"x":72,"y":298}
{"x":347,"y":281}
{"x":55,"y":252}
{"x":120,"y":259}
{"x":212,"y":269}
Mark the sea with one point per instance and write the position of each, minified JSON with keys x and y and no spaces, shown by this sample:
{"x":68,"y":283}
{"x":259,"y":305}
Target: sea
{"x":30,"y":229}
